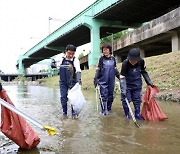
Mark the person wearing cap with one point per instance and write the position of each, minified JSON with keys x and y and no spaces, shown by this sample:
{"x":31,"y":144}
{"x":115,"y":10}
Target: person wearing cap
{"x":70,"y":74}
{"x":131,"y":82}
{"x":105,"y":77}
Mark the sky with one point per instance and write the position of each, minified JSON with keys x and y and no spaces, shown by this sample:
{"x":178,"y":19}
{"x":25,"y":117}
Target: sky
{"x":24,"y":23}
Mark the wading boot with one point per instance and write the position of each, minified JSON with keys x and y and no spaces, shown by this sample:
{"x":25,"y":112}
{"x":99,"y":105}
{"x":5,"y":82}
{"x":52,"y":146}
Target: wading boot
{"x":74,"y":115}
{"x":137,"y":112}
{"x":64,"y":115}
{"x":64,"y":107}
{"x":109,"y":105}
{"x":103,"y":107}
{"x":126,"y":111}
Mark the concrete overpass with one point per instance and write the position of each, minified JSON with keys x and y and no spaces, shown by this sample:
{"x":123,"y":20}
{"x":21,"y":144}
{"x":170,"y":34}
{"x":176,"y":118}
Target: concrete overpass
{"x":92,"y":24}
{"x":161,"y":35}
{"x":30,"y":77}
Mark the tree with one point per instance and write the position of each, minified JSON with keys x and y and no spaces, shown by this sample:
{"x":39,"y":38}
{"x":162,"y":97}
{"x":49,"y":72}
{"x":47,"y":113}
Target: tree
{"x":80,"y":55}
{"x":115,"y":36}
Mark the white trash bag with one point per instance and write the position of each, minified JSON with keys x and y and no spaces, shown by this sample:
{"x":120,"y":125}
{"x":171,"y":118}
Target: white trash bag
{"x":76,"y":98}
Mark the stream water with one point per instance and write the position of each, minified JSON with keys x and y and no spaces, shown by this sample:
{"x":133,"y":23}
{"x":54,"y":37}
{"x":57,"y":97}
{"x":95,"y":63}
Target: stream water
{"x":92,"y":133}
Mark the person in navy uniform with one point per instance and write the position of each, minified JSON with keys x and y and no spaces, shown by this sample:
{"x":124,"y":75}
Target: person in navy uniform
{"x":70,"y":74}
{"x":131,"y":82}
{"x":105,"y":77}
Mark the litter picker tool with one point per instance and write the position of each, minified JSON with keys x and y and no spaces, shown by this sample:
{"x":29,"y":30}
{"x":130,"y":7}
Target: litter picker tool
{"x":50,"y":130}
{"x":97,"y":105}
{"x":131,"y":112}
{"x":100,"y":98}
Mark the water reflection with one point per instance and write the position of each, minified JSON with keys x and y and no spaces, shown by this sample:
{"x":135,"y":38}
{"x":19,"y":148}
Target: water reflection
{"x":92,"y":133}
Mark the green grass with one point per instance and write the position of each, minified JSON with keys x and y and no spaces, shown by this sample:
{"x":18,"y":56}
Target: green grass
{"x":164,"y":71}
{"x":50,"y":81}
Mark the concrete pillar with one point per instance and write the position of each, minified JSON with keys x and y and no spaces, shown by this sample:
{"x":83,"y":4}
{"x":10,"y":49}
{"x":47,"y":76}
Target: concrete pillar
{"x":50,"y":71}
{"x":142,"y":52}
{"x":94,"y":26}
{"x":175,"y":41}
{"x":95,"y":45}
{"x":9,"y":78}
{"x":118,"y":58}
{"x":21,"y":70}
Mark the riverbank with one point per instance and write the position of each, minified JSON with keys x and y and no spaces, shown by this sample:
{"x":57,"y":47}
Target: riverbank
{"x":163,"y":70}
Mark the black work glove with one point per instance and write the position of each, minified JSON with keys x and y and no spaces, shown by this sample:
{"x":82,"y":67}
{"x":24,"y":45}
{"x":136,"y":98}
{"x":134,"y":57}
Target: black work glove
{"x":151,"y":84}
{"x":95,"y":82}
{"x":0,"y":87}
{"x":96,"y":77}
{"x":147,"y":78}
{"x":123,"y":86}
{"x":78,"y":78}
{"x":117,"y":73}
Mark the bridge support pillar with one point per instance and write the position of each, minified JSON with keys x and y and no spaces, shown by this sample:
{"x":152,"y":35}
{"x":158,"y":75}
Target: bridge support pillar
{"x":142,"y":52}
{"x":50,"y":71}
{"x":21,"y":69}
{"x":118,"y":59}
{"x":9,"y":79}
{"x":95,"y":45}
{"x":175,"y":41}
{"x":94,"y":25}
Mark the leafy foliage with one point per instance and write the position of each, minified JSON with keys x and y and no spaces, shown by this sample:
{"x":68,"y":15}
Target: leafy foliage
{"x":80,"y":55}
{"x":115,"y":36}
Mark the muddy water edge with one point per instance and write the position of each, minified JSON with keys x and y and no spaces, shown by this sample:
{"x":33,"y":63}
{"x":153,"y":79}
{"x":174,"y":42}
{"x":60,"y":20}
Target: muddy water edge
{"x":92,"y":133}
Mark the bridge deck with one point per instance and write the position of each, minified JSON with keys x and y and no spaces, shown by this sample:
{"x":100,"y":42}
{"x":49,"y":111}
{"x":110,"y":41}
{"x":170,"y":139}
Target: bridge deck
{"x":113,"y":16}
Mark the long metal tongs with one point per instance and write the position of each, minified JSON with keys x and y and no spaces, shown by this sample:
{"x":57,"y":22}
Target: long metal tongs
{"x":130,"y":110}
{"x":50,"y":130}
{"x":100,"y":98}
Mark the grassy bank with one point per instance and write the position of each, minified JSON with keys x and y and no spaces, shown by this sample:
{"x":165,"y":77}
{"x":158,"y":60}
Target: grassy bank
{"x":164,"y":71}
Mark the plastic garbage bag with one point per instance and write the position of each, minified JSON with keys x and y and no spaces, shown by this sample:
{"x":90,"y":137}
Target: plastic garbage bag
{"x":76,"y":98}
{"x":151,"y":110}
{"x":15,"y":127}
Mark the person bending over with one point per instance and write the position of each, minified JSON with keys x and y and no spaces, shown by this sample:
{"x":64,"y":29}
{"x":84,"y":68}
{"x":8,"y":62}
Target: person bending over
{"x":131,"y":83}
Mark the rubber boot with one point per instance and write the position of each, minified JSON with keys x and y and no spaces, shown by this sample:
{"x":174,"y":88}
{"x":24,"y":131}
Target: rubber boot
{"x":64,"y":107}
{"x":137,"y":112}
{"x":109,"y":105}
{"x":74,"y":115}
{"x":126,"y":111}
{"x":103,"y":107}
{"x":64,"y":115}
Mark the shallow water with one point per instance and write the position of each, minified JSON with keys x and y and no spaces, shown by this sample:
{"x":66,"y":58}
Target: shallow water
{"x":92,"y":133}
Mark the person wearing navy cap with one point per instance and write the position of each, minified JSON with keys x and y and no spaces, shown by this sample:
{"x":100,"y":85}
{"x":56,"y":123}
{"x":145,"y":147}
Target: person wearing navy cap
{"x":131,"y":82}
